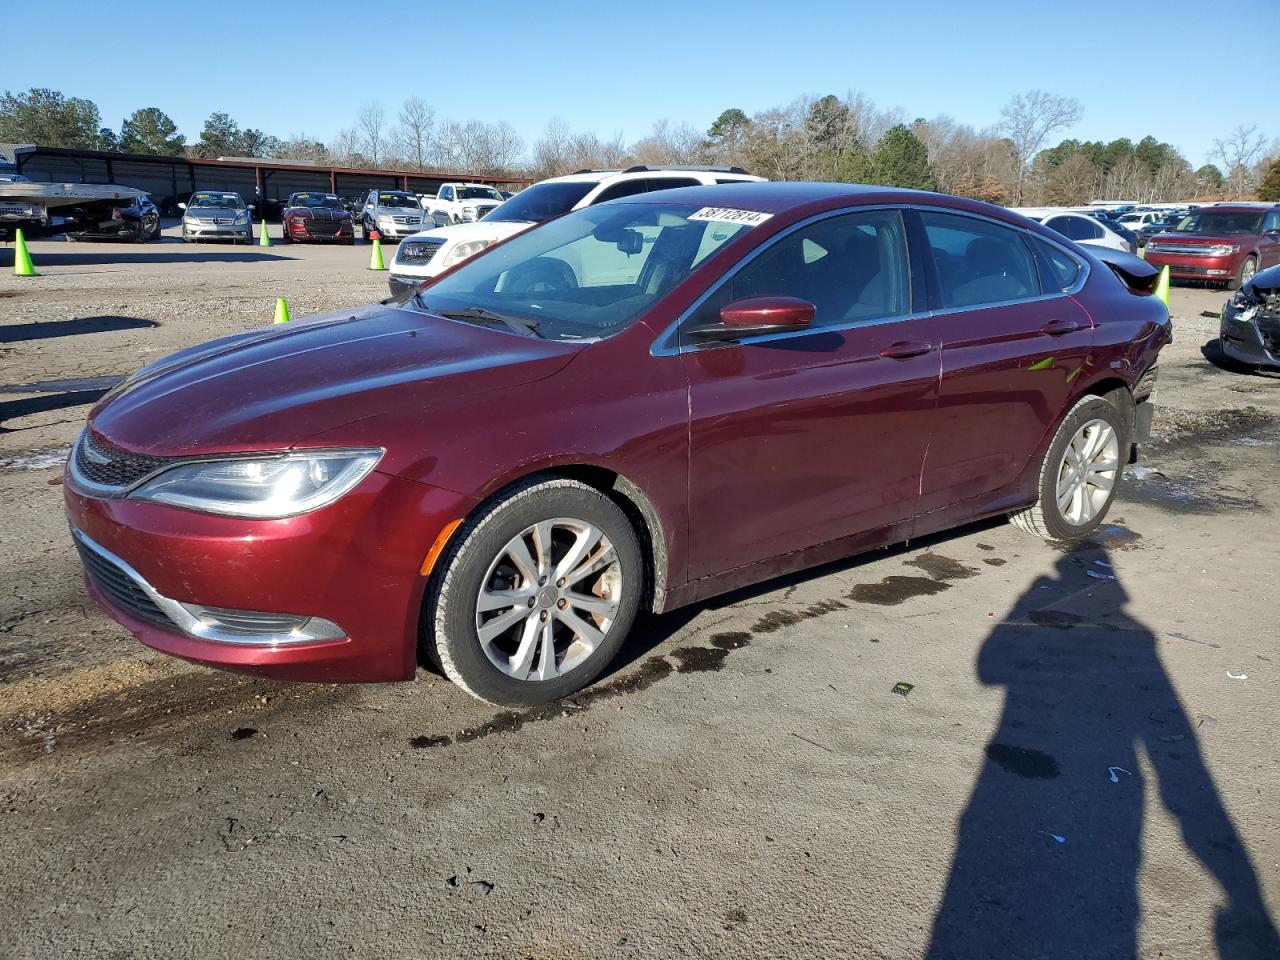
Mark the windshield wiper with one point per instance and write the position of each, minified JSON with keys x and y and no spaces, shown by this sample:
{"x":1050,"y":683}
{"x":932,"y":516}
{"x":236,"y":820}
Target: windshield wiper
{"x":480,"y":315}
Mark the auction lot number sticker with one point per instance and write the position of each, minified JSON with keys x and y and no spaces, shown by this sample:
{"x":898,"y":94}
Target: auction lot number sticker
{"x":747,"y":218}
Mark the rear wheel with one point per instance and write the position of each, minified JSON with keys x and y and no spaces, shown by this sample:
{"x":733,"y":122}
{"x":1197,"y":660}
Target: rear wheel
{"x":536,"y":595}
{"x":1079,"y":475}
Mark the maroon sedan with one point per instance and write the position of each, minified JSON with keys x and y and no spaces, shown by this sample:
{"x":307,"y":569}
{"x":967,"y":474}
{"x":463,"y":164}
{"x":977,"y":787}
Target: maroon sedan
{"x":317,"y":216}
{"x":639,"y":405}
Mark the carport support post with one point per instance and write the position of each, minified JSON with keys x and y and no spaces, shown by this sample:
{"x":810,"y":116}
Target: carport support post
{"x":333,"y":181}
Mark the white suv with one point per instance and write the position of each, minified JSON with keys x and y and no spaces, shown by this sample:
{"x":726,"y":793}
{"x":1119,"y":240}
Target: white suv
{"x":424,"y":255}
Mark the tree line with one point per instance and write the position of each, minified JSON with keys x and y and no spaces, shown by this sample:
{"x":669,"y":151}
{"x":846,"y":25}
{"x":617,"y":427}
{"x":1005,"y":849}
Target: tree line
{"x":828,"y":137}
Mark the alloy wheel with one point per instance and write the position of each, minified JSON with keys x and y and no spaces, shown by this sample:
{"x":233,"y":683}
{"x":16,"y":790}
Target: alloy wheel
{"x":1087,"y":474}
{"x":548,"y":599}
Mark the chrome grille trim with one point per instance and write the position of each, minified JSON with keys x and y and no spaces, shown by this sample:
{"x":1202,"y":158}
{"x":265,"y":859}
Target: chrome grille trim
{"x":103,"y":469}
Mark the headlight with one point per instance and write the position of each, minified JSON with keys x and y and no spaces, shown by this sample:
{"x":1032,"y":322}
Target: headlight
{"x":464,"y":250}
{"x":263,"y":488}
{"x":385,"y":219}
{"x":468,"y":209}
{"x":242,"y":216}
{"x":194,"y":221}
{"x":1223,"y":249}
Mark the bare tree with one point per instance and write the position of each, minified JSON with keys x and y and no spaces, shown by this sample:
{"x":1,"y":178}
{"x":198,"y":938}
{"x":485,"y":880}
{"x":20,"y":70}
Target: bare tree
{"x":1027,"y":120}
{"x":371,"y":126}
{"x":490,"y":149}
{"x":1238,"y":153}
{"x":345,"y":148}
{"x":413,"y":135}
{"x":669,"y":143}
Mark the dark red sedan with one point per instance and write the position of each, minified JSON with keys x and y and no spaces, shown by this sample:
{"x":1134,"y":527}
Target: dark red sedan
{"x":641,"y":404}
{"x":317,"y":216}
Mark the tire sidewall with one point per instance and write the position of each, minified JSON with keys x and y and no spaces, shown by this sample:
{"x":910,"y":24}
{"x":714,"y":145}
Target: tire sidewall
{"x":1088,"y":408}
{"x":450,"y":616}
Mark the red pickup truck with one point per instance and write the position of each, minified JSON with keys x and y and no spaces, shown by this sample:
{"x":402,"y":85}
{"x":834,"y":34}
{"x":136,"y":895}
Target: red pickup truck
{"x":1225,"y":243}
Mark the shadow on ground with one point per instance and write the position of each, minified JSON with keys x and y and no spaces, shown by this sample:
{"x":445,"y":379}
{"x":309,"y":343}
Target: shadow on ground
{"x":161,"y":253}
{"x":1049,"y":849}
{"x":46,"y":329}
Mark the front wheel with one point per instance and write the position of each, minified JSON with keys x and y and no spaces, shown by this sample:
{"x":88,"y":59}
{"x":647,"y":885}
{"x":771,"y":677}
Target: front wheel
{"x":1080,"y":473}
{"x":1247,"y":270}
{"x":536,"y":594}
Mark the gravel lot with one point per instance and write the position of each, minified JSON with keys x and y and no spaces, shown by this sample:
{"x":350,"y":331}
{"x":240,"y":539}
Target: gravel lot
{"x":1084,"y":768}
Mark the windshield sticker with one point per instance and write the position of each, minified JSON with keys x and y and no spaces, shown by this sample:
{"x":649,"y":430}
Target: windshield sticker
{"x":747,"y":218}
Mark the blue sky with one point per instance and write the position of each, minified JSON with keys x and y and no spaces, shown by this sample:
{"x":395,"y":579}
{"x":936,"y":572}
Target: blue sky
{"x":615,"y":67}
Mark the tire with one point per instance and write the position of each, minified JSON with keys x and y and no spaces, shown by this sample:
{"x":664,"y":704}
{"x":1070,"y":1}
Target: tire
{"x":1046,"y":518}
{"x":478,"y":558}
{"x":1247,"y":271}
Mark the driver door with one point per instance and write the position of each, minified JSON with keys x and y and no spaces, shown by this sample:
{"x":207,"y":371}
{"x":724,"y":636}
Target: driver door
{"x":805,"y":437}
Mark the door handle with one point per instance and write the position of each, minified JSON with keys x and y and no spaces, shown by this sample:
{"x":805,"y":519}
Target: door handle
{"x":906,"y":349}
{"x":1056,"y":328}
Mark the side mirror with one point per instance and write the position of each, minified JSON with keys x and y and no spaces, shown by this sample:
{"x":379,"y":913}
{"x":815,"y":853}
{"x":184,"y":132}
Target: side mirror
{"x":182,"y":206}
{"x":250,"y":206}
{"x":758,"y":315}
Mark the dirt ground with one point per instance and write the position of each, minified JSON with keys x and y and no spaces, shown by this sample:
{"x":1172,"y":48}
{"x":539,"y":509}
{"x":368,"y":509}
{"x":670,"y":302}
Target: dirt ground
{"x":1084,"y":766}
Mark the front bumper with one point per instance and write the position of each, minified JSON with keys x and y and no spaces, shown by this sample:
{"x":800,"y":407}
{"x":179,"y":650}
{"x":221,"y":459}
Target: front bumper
{"x":217,"y":231}
{"x":402,"y":286}
{"x":303,"y":230}
{"x":1250,"y":336}
{"x":398,"y":231}
{"x":1216,"y":269}
{"x":112,"y":230}
{"x":355,"y":564}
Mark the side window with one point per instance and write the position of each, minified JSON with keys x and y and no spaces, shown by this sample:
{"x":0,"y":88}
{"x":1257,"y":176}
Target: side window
{"x":1091,"y":229}
{"x":623,"y":188}
{"x":1058,"y":269}
{"x":1066,"y":226}
{"x":446,"y":193}
{"x":670,"y":183}
{"x":1271,"y":222}
{"x":979,"y":261}
{"x":851,"y":268}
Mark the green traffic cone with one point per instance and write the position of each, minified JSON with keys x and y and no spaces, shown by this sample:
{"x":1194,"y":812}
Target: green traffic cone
{"x":22,"y":266}
{"x":265,"y":239}
{"x":375,"y":257}
{"x":282,"y":311}
{"x":1162,"y":285}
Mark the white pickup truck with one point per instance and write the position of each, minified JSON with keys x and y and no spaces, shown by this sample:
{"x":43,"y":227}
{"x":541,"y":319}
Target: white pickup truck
{"x":461,"y":203}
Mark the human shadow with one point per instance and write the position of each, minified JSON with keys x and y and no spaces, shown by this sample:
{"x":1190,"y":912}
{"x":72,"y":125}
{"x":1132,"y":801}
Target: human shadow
{"x":1049,"y":848}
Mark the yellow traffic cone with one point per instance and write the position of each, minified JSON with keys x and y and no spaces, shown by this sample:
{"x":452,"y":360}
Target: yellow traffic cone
{"x":21,"y":258}
{"x":1162,"y":285}
{"x":265,"y":239}
{"x":282,"y":311}
{"x":375,"y":258}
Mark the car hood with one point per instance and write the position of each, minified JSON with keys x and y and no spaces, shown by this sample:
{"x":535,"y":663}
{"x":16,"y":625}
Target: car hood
{"x":277,"y":387}
{"x":1264,"y":282}
{"x":397,"y":211}
{"x":492,"y":230}
{"x":317,"y":213}
{"x":209,"y":213}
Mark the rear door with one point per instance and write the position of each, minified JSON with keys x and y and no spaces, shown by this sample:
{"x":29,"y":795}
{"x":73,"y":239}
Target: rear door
{"x":801,"y":438}
{"x":1269,"y":252}
{"x":1013,"y":343}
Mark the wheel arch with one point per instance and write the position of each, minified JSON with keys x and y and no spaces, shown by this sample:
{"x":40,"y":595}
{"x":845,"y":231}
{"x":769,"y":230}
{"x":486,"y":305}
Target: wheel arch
{"x":628,"y":495}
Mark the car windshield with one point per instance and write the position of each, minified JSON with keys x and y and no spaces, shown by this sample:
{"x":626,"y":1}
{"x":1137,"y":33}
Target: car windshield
{"x":1221,"y":221}
{"x":315,"y":200}
{"x":220,"y":201}
{"x":398,"y":200}
{"x":586,"y":275}
{"x":478,"y":193}
{"x":541,"y":202}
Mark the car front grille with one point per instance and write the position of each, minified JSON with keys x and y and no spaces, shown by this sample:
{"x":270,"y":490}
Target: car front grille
{"x":418,"y":251}
{"x":1181,"y":249}
{"x":107,"y":465}
{"x":407,"y":221}
{"x":1184,"y":268}
{"x":121,"y":589}
{"x":324,"y":228}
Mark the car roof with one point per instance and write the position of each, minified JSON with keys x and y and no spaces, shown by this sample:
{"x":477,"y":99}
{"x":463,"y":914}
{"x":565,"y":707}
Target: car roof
{"x":779,"y":196}
{"x":1243,"y":207}
{"x":599,"y":176}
